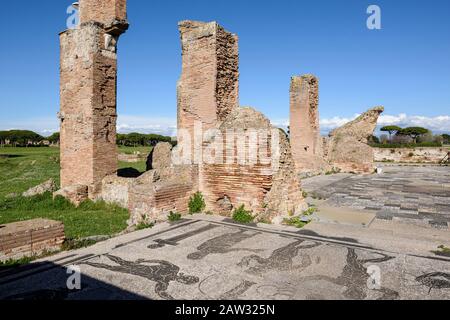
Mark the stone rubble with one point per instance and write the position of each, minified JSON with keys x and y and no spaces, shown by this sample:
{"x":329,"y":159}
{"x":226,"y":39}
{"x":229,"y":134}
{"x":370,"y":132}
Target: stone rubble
{"x":47,"y":186}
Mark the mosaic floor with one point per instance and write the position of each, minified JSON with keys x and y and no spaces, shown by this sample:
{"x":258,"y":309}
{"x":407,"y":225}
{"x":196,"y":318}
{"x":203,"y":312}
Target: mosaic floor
{"x":198,"y":259}
{"x":418,"y":195}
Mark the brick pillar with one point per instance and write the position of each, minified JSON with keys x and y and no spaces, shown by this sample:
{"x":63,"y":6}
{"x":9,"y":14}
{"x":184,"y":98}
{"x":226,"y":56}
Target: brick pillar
{"x":208,"y":89}
{"x":88,"y":81}
{"x":304,"y":123}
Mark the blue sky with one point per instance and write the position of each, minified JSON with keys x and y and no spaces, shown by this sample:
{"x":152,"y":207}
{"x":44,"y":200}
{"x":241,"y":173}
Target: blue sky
{"x":405,"y":66}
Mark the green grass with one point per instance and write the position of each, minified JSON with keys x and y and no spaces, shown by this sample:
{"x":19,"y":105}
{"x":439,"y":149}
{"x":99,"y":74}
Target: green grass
{"x":16,"y":262}
{"x":23,"y":168}
{"x":89,"y":219}
{"x":132,"y":150}
{"x":140,"y":166}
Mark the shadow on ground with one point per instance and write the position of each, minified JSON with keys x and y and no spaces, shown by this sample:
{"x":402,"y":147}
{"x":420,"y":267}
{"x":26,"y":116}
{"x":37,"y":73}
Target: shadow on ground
{"x":51,"y":284}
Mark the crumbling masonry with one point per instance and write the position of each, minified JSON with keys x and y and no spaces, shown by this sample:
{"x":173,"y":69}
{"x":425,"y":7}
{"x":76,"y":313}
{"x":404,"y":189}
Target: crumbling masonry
{"x":347,"y":147}
{"x":253,"y":166}
{"x":208,"y":98}
{"x":305,"y":138}
{"x":88,"y":69}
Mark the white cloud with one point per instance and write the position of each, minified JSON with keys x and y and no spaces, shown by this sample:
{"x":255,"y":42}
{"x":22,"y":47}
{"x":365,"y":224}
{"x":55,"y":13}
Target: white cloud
{"x":167,"y":125}
{"x":159,"y":125}
{"x":436,"y":124}
{"x":43,"y":125}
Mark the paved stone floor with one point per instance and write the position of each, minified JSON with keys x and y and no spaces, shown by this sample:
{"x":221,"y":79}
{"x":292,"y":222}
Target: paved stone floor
{"x":216,"y":259}
{"x":415,"y":194}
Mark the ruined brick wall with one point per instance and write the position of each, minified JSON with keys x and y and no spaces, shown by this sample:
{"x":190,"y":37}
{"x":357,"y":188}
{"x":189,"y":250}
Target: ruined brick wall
{"x":255,"y":184}
{"x":153,"y":195}
{"x":88,"y":80}
{"x":103,"y":11}
{"x":30,"y":238}
{"x":208,"y":87}
{"x":305,"y":139}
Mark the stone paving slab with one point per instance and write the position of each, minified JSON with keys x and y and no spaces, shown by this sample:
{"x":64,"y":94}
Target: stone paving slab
{"x":400,"y":193}
{"x":213,"y":259}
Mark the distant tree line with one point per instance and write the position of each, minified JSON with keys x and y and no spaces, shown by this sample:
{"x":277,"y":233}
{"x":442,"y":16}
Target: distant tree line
{"x":135,"y":139}
{"x":25,"y":138}
{"x":20,"y":138}
{"x":419,"y":136}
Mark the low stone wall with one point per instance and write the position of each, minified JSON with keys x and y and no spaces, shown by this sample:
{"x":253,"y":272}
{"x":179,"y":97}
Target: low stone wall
{"x":410,"y":155}
{"x":157,"y":192}
{"x":116,"y":190}
{"x":30,"y":238}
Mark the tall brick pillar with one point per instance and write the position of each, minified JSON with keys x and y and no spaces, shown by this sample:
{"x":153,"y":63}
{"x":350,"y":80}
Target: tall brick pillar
{"x":208,"y":89}
{"x":304,"y":123}
{"x":88,"y":81}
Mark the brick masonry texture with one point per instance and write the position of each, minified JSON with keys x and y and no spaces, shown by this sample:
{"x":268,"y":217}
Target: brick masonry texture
{"x":30,"y":238}
{"x":88,"y":69}
{"x":305,"y":139}
{"x":208,"y":89}
{"x":267,"y":192}
{"x":103,"y":11}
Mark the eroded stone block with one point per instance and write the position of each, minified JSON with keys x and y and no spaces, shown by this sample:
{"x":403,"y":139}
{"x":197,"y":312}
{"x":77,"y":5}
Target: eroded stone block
{"x":347,"y":146}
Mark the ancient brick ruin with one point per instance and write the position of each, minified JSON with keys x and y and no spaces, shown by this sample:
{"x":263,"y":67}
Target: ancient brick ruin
{"x":347,"y":147}
{"x":88,"y":94}
{"x":208,"y":89}
{"x":305,"y":138}
{"x":236,"y":157}
{"x":30,"y":238}
{"x":208,"y":100}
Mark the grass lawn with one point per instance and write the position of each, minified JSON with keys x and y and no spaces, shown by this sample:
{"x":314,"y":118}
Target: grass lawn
{"x":23,"y":168}
{"x":89,"y":219}
{"x":140,"y":166}
{"x":132,"y":150}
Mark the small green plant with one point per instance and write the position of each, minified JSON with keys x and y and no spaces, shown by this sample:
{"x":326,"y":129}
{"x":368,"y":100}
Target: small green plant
{"x":196,"y":203}
{"x":174,"y":216}
{"x":305,"y":194}
{"x":144,"y":225}
{"x":73,"y":244}
{"x":334,"y":170}
{"x":443,"y":251}
{"x":295,"y":222}
{"x":12,"y":263}
{"x":309,"y":211}
{"x":16,"y":262}
{"x":265,"y":221}
{"x":242,"y":215}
